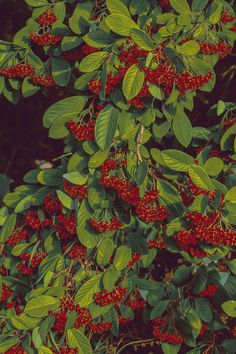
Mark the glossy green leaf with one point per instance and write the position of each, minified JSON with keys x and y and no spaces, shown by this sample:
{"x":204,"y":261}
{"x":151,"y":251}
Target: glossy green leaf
{"x":133,"y":82}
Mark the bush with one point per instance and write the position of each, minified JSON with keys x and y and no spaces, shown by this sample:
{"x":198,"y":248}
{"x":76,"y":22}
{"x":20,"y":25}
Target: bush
{"x":135,"y":226}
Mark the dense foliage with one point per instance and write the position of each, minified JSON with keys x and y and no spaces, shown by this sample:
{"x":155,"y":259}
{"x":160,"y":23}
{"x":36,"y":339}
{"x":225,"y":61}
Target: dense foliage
{"x":137,"y":221}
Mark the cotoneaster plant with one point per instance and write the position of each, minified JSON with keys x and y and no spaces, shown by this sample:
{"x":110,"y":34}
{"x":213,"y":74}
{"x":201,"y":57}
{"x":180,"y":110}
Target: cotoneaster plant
{"x":130,"y":240}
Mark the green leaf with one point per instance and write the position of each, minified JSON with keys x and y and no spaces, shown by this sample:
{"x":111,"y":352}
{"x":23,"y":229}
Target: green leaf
{"x":120,"y":24}
{"x":177,"y":160}
{"x":199,"y":280}
{"x":133,"y":82}
{"x":181,"y":274}
{"x":50,"y":177}
{"x":232,"y":266}
{"x":76,"y":339}
{"x":199,"y":5}
{"x":221,"y":106}
{"x":170,"y":348}
{"x":61,"y":71}
{"x":70,"y":42}
{"x":203,"y":310}
{"x":85,"y":295}
{"x":25,"y":322}
{"x":156,"y":92}
{"x":86,"y":235}
{"x":92,"y":62}
{"x":36,"y":338}
{"x":29,"y":89}
{"x":73,"y":105}
{"x":182,"y":128}
{"x":41,"y":305}
{"x":160,"y":130}
{"x":44,"y":350}
{"x":98,"y":38}
{"x":7,"y":228}
{"x":142,"y":39}
{"x":105,"y":251}
{"x":227,"y":140}
{"x":122,"y":257}
{"x":229,"y":308}
{"x":159,"y":309}
{"x":189,"y":48}
{"x":76,"y":178}
{"x":202,"y":67}
{"x":216,"y":14}
{"x":229,"y":345}
{"x":106,"y":125}
{"x":65,"y":200}
{"x":214,"y":166}
{"x":181,"y":6}
{"x":117,"y":7}
{"x":24,"y":204}
{"x":58,"y":129}
{"x":98,"y":158}
{"x":36,"y":3}
{"x":199,"y":177}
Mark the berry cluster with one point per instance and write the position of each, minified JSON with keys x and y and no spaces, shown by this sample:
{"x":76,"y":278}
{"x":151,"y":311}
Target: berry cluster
{"x":66,"y":227}
{"x":86,"y":49}
{"x":149,"y":210}
{"x":164,"y":337}
{"x":36,"y":259}
{"x":83,"y":316}
{"x":24,"y":269}
{"x":221,"y":48}
{"x":66,"y":350}
{"x":18,"y":71}
{"x":135,"y":258}
{"x":6,"y":293}
{"x":136,"y":304}
{"x":164,"y":75}
{"x":45,"y":39}
{"x":72,"y":55}
{"x":123,"y":320}
{"x":208,"y":231}
{"x":125,"y":190}
{"x":210,"y":291}
{"x":165,"y":4}
{"x":226,"y":17}
{"x":106,"y":297}
{"x":76,"y":252}
{"x":17,"y":237}
{"x":76,"y":192}
{"x":100,"y":327}
{"x":105,"y":225}
{"x":47,"y":18}
{"x":186,"y":81}
{"x":156,"y":244}
{"x":112,"y":82}
{"x":188,"y":242}
{"x":15,"y":350}
{"x":82,"y":131}
{"x":32,"y":220}
{"x":52,"y":205}
{"x":43,"y":80}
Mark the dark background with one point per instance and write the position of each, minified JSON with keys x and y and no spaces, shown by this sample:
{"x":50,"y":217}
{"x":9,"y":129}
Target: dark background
{"x":22,"y":137}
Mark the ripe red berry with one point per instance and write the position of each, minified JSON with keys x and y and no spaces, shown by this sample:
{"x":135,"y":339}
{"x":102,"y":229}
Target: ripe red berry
{"x":43,"y":80}
{"x":18,"y":71}
{"x":82,"y":131}
{"x":48,"y":18}
{"x":106,"y":297}
{"x":45,"y":39}
{"x":76,"y":192}
{"x":105,"y":225}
